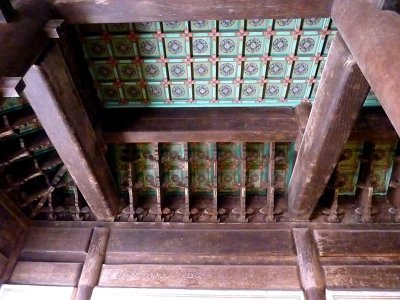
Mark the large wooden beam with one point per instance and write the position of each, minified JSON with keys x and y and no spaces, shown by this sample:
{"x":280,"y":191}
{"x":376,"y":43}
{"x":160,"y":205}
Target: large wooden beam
{"x":338,"y":101}
{"x":23,"y":40}
{"x":55,"y":100}
{"x":122,"y":11}
{"x":200,"y":125}
{"x":375,"y":46}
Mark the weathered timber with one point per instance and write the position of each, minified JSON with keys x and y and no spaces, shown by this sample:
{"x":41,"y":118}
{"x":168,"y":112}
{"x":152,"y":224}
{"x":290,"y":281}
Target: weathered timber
{"x":56,"y":244}
{"x":338,"y":101}
{"x":200,"y":125}
{"x":25,"y":32}
{"x":311,"y":276}
{"x":12,"y":209}
{"x":54,"y":98}
{"x":360,"y":243}
{"x":200,"y":276}
{"x":46,"y":273}
{"x":187,"y":247}
{"x":302,"y":112}
{"x":123,"y":11}
{"x":92,"y":266}
{"x":362,"y":277}
{"x":381,"y":71}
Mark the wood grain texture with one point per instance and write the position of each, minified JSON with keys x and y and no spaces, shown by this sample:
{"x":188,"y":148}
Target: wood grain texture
{"x":121,"y":11}
{"x":25,"y":32}
{"x":57,"y":244}
{"x":362,"y":277}
{"x":200,"y":276}
{"x":365,"y":243}
{"x":187,"y":247}
{"x":92,"y":266}
{"x":339,"y":98}
{"x":46,"y":273}
{"x":200,"y":125}
{"x":55,"y":100}
{"x":381,"y":34}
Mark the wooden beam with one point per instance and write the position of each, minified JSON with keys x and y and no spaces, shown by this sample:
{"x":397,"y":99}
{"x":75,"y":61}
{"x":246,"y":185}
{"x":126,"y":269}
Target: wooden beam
{"x":23,"y":34}
{"x":302,"y":112}
{"x":55,"y":100}
{"x":367,"y":41}
{"x":338,"y":101}
{"x":199,"y":125}
{"x":125,"y":11}
{"x":311,"y":275}
{"x":12,"y":209}
{"x":92,"y":266}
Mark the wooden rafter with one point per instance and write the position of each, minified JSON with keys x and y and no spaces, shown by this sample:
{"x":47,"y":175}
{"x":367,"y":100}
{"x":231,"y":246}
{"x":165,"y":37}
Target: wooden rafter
{"x":122,"y":11}
{"x":338,"y":101}
{"x":382,"y":31}
{"x":54,"y":98}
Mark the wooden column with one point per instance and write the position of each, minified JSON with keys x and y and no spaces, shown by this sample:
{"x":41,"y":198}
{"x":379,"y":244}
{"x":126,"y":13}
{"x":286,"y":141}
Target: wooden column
{"x":339,"y":98}
{"x":93,"y":263}
{"x":311,"y":275}
{"x":375,"y":46}
{"x":55,"y":100}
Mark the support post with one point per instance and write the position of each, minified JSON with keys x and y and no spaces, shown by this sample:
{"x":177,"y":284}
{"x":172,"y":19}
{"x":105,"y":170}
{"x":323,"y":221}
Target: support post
{"x":366,"y":42}
{"x":55,"y":100}
{"x":338,"y":101}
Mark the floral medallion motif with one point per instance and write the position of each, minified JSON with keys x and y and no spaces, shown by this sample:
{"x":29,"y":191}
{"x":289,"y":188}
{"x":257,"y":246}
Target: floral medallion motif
{"x":228,"y":178}
{"x":201,"y":178}
{"x":312,"y":21}
{"x":104,"y":71}
{"x":296,"y":89}
{"x":124,"y":47}
{"x":254,"y":177}
{"x":255,"y":22}
{"x":148,"y":47}
{"x":306,"y":45}
{"x":200,"y":46}
{"x":133,"y":91}
{"x":110,"y":92}
{"x":173,"y":25}
{"x":152,"y":70}
{"x":200,"y":24}
{"x":175,"y":178}
{"x":202,"y":91}
{"x":249,"y":90}
{"x":301,"y":68}
{"x":178,"y":91}
{"x":253,"y":45}
{"x":250,"y":69}
{"x":226,"y":23}
{"x":276,"y":68}
{"x":175,"y":46}
{"x":272,"y":90}
{"x":280,"y":44}
{"x":143,"y":26}
{"x":225,"y":90}
{"x":201,"y":70}
{"x":97,"y":48}
{"x":178,"y":70}
{"x":226,"y":69}
{"x":284,"y":22}
{"x":227,"y":46}
{"x":155,"y":91}
{"x":129,"y":71}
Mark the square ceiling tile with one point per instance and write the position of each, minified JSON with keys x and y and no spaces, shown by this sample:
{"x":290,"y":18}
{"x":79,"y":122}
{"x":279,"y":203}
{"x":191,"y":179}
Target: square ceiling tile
{"x":227,"y":70}
{"x":148,"y":47}
{"x":203,"y":91}
{"x":175,"y":47}
{"x":177,"y":71}
{"x":180,"y":92}
{"x":128,"y":71}
{"x":202,"y":70}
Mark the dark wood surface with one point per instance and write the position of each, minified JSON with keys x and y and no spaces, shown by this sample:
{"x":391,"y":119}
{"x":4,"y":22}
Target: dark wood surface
{"x":122,"y":11}
{"x":93,"y":262}
{"x":7,"y":12}
{"x":381,"y":71}
{"x":24,"y":33}
{"x":331,"y":120}
{"x":55,"y":100}
{"x":199,"y":125}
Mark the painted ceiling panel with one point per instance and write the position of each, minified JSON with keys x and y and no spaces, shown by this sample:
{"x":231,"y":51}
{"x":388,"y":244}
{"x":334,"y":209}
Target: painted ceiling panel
{"x":260,"y":62}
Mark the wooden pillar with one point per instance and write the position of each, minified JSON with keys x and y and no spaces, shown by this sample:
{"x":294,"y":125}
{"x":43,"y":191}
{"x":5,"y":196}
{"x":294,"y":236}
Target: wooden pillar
{"x":375,"y":46}
{"x":55,"y":100}
{"x":339,"y":98}
{"x":311,"y":274}
{"x":302,"y":112}
{"x":93,"y":263}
